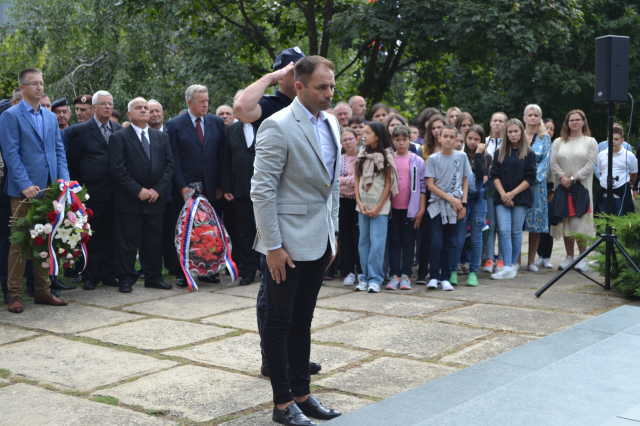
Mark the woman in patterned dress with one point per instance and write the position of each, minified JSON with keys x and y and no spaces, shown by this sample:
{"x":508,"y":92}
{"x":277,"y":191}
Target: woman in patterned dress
{"x":537,"y":220}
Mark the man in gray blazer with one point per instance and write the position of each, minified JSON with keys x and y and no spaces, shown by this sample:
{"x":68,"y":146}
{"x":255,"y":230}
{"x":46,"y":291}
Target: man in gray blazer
{"x":295,"y":190}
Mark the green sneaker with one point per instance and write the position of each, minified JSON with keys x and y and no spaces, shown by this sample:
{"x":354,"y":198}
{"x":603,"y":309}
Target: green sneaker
{"x":454,"y":278}
{"x":472,"y":280}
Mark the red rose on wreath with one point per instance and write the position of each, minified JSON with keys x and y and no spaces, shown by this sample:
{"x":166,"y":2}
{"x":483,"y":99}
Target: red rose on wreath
{"x":89,"y":213}
{"x":38,"y":240}
{"x":74,"y":207}
{"x":66,"y":265}
{"x":63,"y":254}
{"x":77,"y":253}
{"x":84,"y":239}
{"x":52,"y":216}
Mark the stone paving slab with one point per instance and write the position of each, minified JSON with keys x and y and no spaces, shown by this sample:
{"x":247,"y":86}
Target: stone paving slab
{"x":385,"y":377}
{"x":4,"y":381}
{"x":250,"y":291}
{"x":327,"y":291}
{"x":110,"y":297}
{"x":512,"y":319}
{"x":246,"y":318}
{"x":486,"y":349}
{"x":536,"y":280}
{"x":199,"y":393}
{"x":418,"y":339}
{"x":26,"y":405}
{"x":75,"y":365}
{"x":192,"y":305}
{"x":11,"y":334}
{"x":153,"y":334}
{"x":387,"y":304}
{"x":337,"y":401}
{"x":65,"y":319}
{"x":242,"y":353}
{"x":571,"y":302}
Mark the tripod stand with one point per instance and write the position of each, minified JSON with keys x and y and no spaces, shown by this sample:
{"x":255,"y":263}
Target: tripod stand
{"x":609,"y":238}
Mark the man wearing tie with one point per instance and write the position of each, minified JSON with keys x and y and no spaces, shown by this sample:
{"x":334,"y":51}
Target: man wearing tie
{"x":141,"y":166}
{"x":197,"y":141}
{"x":295,"y":190}
{"x":88,"y":158}
{"x":33,"y":152}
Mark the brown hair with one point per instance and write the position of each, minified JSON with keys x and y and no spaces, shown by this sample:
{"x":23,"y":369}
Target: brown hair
{"x":423,"y":120}
{"x":305,"y":67}
{"x":22,"y":76}
{"x":348,"y":130}
{"x":356,"y":119}
{"x":463,"y":116}
{"x":476,"y":128}
{"x":617,"y":130}
{"x":401,"y":119}
{"x":523,"y":144}
{"x":429,"y":145}
{"x":401,"y":130}
{"x":566,"y":132}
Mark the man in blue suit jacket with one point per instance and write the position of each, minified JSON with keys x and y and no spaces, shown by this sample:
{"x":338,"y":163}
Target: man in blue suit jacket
{"x":34,"y":154}
{"x":197,"y":141}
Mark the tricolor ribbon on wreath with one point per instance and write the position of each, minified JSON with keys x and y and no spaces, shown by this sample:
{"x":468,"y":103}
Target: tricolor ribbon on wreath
{"x":190,"y":210}
{"x":69,"y":194}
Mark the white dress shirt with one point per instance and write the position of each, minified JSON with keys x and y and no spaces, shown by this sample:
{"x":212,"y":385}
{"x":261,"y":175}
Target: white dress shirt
{"x":247,"y":128}
{"x":140,"y":131}
{"x":325,"y":138}
{"x":193,"y":120}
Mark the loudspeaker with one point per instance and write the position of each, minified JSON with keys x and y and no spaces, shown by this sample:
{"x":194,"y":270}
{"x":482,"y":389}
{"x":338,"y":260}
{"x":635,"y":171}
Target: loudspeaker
{"x":612,"y":69}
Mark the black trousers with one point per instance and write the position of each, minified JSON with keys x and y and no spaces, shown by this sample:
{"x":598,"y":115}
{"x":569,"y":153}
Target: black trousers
{"x":402,"y":240}
{"x":424,"y":252}
{"x":286,"y":335}
{"x":101,"y":265}
{"x":128,"y":226}
{"x":349,"y":237}
{"x":168,"y":243}
{"x":245,"y":257}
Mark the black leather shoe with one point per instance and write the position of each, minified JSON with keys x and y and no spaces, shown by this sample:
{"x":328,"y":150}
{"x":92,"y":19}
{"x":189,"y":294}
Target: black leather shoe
{"x":161,"y":285}
{"x":57,"y":285}
{"x":214,"y":279}
{"x":126,"y":288}
{"x":89,"y":285}
{"x":264,"y":370}
{"x":314,"y":368}
{"x":182,"y":282}
{"x":77,"y":280}
{"x":291,"y":416}
{"x":246,"y":280}
{"x":114,"y":283}
{"x":313,"y":408}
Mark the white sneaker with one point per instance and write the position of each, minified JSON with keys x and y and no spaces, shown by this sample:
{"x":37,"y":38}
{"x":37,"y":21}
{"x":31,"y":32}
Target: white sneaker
{"x":504,"y":274}
{"x":433,"y":284}
{"x":446,"y":286}
{"x":394,"y":283}
{"x":362,"y":286}
{"x":547,"y":263}
{"x":582,"y":266}
{"x":350,"y":279}
{"x":539,"y":262}
{"x":533,"y":268}
{"x":567,"y":262}
{"x":374,"y":288}
{"x":516,"y":267}
{"x":405,"y":283}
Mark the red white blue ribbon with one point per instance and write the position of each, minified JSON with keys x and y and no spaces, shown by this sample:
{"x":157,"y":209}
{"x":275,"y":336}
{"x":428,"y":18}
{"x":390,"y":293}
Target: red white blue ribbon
{"x":69,"y":194}
{"x":231,"y":266}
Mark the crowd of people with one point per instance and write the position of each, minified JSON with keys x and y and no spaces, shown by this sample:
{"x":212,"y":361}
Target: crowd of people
{"x":432,"y":192}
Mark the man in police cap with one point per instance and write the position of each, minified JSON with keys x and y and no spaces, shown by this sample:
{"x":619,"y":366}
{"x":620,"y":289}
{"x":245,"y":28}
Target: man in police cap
{"x":60,"y":107}
{"x":253,"y":106}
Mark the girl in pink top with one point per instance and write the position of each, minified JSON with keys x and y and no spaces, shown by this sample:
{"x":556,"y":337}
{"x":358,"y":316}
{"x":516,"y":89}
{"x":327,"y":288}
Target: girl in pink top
{"x":348,"y":217}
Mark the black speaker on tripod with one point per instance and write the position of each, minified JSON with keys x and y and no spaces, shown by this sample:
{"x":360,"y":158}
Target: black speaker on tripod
{"x":611,"y":87}
{"x":612,"y":69}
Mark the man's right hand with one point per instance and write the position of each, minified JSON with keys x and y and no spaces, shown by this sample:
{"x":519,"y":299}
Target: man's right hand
{"x":144,"y":194}
{"x":186,"y":193}
{"x":279,"y":75}
{"x":228,"y":196}
{"x":31,"y":192}
{"x":276,"y":261}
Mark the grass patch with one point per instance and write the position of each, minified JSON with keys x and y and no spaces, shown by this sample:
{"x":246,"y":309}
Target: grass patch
{"x":4,"y":373}
{"x":105,"y":400}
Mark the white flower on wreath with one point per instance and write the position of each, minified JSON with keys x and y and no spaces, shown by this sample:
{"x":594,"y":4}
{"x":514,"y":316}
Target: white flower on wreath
{"x":47,"y":228}
{"x":55,"y":204}
{"x":73,"y":240}
{"x":39,"y":228}
{"x":69,"y":256}
{"x":88,"y":227}
{"x":33,"y":233}
{"x":60,"y":250}
{"x":64,"y":234}
{"x":45,"y":265}
{"x":60,"y":208}
{"x":86,"y":197}
{"x":43,"y":254}
{"x":67,"y":223}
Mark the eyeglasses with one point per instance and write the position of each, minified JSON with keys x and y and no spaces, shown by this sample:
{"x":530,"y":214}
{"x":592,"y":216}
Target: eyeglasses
{"x":351,"y":139}
{"x":576,"y":121}
{"x":105,"y":103}
{"x":34,"y":84}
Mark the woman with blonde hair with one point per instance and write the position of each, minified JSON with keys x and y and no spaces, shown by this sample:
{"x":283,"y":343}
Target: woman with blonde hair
{"x":452,"y":115}
{"x":537,"y":221}
{"x":573,"y":157}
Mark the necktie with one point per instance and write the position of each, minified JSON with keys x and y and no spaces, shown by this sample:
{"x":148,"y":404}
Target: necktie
{"x":105,"y":133}
{"x":199,"y":130}
{"x":145,"y":144}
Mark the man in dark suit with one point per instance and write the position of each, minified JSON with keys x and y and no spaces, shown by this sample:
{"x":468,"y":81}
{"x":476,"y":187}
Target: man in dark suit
{"x":237,"y":171}
{"x":197,"y":141}
{"x":88,"y":157}
{"x":84,"y":111}
{"x":141,"y":166}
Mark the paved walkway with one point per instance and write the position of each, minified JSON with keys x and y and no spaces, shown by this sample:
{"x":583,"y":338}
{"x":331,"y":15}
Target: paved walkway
{"x":158,"y":357}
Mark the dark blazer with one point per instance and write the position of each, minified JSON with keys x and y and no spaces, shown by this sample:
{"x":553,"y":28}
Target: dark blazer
{"x":88,"y":158}
{"x":559,"y":207}
{"x":195,"y":161}
{"x":132,"y":170}
{"x":237,"y":169}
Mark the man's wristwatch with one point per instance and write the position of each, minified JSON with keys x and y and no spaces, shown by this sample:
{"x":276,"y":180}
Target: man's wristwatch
{"x":573,"y":180}
{"x":464,"y":205}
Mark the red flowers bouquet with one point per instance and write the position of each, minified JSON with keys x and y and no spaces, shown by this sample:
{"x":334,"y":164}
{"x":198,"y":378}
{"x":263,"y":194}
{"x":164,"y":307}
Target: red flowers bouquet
{"x":56,"y":227}
{"x":201,"y":240}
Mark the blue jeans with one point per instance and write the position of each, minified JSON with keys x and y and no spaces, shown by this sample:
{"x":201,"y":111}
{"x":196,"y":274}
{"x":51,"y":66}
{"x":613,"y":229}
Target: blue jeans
{"x":476,"y":214}
{"x":402,"y":239}
{"x":442,"y":248}
{"x":373,"y":238}
{"x":617,"y":206}
{"x":510,"y":222}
